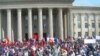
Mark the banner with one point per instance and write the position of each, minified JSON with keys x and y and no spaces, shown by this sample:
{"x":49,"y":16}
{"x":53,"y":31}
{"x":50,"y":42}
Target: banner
{"x":50,"y":39}
{"x":89,"y":41}
{"x":97,"y":37}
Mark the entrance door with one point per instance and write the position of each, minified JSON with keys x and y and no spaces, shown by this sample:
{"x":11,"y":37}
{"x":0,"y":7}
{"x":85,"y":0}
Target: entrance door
{"x":45,"y":36}
{"x":26,"y":36}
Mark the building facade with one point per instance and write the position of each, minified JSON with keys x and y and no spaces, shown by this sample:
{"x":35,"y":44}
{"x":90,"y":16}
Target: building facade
{"x":20,"y":19}
{"x":85,"y":21}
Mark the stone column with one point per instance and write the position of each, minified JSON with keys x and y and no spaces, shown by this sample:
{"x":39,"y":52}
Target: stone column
{"x":71,"y":25}
{"x":60,"y":19}
{"x":65,"y":25}
{"x":9,"y":24}
{"x":12,"y":31}
{"x":19,"y":25}
{"x":29,"y":23}
{"x":90,"y":25}
{"x":0,"y":26}
{"x":40,"y":22}
{"x":75,"y":25}
{"x":68,"y":22}
{"x":82,"y":25}
{"x":50,"y":22}
{"x":96,"y":24}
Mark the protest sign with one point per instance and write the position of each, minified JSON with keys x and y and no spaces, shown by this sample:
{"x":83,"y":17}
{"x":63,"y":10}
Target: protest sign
{"x":89,"y":41}
{"x":50,"y":39}
{"x":97,"y":37}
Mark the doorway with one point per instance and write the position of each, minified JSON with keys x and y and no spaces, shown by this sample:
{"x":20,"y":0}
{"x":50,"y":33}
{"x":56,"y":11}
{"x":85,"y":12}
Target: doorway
{"x":45,"y":36}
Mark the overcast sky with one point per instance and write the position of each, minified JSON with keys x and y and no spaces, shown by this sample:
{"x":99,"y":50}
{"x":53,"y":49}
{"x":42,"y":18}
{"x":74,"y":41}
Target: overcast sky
{"x":87,"y":3}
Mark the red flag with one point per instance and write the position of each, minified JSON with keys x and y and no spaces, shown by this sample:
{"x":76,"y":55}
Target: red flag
{"x":35,"y":36}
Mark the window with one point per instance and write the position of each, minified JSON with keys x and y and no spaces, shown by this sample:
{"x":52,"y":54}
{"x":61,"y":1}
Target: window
{"x":93,"y":18}
{"x":99,"y":33}
{"x":86,"y":25}
{"x":79,"y":24}
{"x":99,"y":19}
{"x":86,"y":18}
{"x":44,"y":26}
{"x":35,"y":26}
{"x":35,"y":17}
{"x":79,"y":33}
{"x":93,"y":33}
{"x":44,"y":17}
{"x":26,"y":27}
{"x":93,"y":25}
{"x":73,"y":15}
{"x":79,"y":17}
{"x":86,"y":33}
{"x":74,"y":32}
{"x":26,"y":17}
{"x":99,"y":25}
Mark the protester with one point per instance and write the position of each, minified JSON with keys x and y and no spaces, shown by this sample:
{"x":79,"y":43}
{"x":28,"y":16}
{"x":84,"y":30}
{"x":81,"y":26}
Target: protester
{"x":56,"y":47}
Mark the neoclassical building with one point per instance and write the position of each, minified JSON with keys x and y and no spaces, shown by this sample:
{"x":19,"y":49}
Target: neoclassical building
{"x":21,"y":19}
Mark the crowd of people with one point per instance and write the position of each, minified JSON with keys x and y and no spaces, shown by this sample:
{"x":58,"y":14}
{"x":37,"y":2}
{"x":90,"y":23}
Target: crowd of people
{"x":68,"y":47}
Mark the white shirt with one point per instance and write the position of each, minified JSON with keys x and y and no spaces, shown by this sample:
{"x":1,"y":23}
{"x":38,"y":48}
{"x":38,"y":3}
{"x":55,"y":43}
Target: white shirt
{"x":26,"y":53}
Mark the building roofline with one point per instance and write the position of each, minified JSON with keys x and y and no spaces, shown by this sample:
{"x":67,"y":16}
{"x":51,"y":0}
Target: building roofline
{"x":8,"y":2}
{"x":84,"y":7}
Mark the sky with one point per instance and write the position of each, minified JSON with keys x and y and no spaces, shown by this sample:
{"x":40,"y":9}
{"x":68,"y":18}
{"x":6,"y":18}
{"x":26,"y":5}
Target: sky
{"x":87,"y":3}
